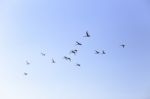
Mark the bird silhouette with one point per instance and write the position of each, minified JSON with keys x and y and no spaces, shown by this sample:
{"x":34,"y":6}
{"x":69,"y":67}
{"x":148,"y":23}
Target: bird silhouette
{"x":27,"y":63}
{"x":53,"y":61}
{"x":87,"y":34}
{"x":73,"y":51}
{"x":103,"y":52}
{"x":97,"y":52}
{"x":43,"y":54}
{"x":77,"y":43}
{"x":25,"y":74}
{"x":78,"y":65}
{"x":123,"y":45}
{"x":67,"y":58}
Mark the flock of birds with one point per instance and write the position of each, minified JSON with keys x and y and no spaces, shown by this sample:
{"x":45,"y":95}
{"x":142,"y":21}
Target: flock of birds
{"x":73,"y":52}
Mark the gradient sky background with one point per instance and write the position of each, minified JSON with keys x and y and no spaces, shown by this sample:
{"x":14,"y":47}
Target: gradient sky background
{"x":29,"y":27}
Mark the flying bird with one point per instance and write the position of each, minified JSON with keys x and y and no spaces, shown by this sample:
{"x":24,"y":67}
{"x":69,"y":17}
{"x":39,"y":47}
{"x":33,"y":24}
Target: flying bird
{"x":123,"y":45}
{"x":74,"y":51}
{"x":67,"y":58}
{"x":77,"y":43}
{"x":25,"y":74}
{"x":53,"y":61}
{"x":43,"y":54}
{"x":97,"y":52}
{"x":78,"y":65}
{"x":87,"y":34}
{"x":103,"y":52}
{"x":27,"y":63}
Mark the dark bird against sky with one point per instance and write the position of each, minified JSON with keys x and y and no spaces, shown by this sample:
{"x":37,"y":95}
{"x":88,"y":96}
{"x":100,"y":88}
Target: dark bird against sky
{"x":87,"y":34}
{"x":78,"y":65}
{"x":67,"y":58}
{"x":27,"y":63}
{"x":97,"y":52}
{"x":25,"y":74}
{"x":53,"y":61}
{"x":103,"y":52}
{"x":123,"y":45}
{"x":77,"y":43}
{"x":43,"y":54}
{"x":73,"y":51}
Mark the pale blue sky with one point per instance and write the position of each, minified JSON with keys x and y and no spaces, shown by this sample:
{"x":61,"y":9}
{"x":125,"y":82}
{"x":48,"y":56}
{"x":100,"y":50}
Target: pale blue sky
{"x":29,"y":27}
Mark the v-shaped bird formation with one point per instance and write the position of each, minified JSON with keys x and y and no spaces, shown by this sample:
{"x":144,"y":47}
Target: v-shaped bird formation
{"x":74,"y":52}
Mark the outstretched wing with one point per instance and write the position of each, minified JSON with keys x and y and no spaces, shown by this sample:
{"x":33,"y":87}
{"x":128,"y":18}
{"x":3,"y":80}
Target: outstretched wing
{"x":78,"y":43}
{"x":87,"y":34}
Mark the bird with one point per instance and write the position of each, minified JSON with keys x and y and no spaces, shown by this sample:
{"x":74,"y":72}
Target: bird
{"x":43,"y":54}
{"x":77,"y":43}
{"x":97,"y":52}
{"x":78,"y":65}
{"x":87,"y":34}
{"x":53,"y":61}
{"x":123,"y":45}
{"x":27,"y":63}
{"x":67,"y":58}
{"x":103,"y":52}
{"x":73,"y":51}
{"x":25,"y":74}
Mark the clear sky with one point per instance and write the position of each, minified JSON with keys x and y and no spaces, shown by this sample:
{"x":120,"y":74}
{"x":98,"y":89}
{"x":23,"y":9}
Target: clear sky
{"x":29,"y":27}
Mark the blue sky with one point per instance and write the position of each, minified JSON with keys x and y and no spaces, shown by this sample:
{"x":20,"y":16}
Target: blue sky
{"x":29,"y":27}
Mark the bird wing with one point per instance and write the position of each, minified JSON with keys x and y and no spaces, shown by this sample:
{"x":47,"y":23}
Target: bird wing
{"x":87,"y":33}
